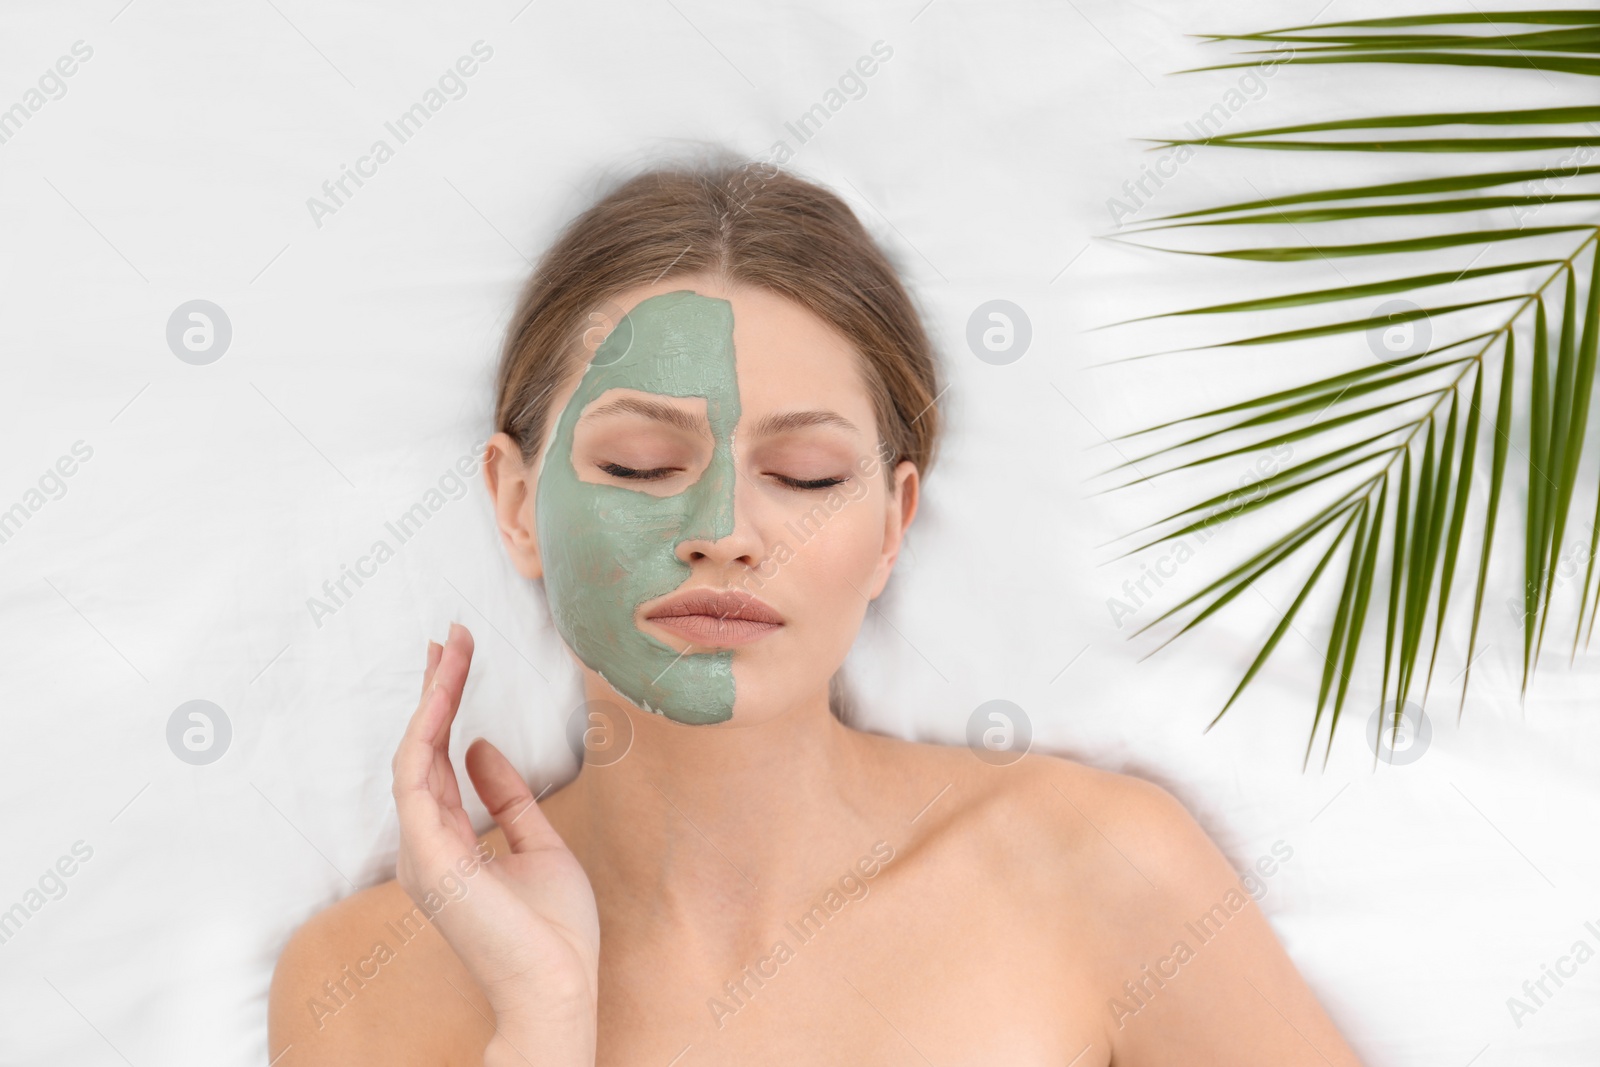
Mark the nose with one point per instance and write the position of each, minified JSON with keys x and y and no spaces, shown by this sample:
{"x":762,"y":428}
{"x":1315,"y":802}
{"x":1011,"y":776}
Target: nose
{"x":718,"y":528}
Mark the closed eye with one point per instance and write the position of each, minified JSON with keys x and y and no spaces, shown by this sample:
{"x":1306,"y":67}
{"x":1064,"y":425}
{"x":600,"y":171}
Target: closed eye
{"x":809,"y":483}
{"x":617,"y":470}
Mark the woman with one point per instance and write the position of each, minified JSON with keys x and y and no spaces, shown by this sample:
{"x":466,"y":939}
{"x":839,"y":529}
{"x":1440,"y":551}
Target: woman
{"x":716,"y":405}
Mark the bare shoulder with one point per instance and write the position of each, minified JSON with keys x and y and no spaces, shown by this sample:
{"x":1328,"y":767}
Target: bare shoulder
{"x":1122,"y":817}
{"x":1070,"y":814}
{"x":1117,"y":881}
{"x":1114,"y":846}
{"x":1184,"y":960}
{"x":371,"y":980}
{"x":1118,"y":852}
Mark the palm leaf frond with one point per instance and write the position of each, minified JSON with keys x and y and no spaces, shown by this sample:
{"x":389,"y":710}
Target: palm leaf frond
{"x":1386,"y":453}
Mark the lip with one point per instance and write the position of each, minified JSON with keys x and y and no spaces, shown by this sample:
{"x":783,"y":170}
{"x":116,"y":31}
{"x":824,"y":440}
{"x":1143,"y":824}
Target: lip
{"x":717,"y":618}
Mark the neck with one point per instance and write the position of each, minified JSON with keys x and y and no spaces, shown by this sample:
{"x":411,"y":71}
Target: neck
{"x":697,"y":823}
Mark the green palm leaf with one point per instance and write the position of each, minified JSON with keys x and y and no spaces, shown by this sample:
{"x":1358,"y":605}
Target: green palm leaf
{"x":1435,"y":118}
{"x":1288,"y":254}
{"x":1386,"y":453}
{"x":1455,"y":184}
{"x":1502,"y":444}
{"x":1560,"y":64}
{"x":1354,"y":292}
{"x":1355,"y":618}
{"x":1474,"y":18}
{"x":1458,"y":518}
{"x":1583,"y":39}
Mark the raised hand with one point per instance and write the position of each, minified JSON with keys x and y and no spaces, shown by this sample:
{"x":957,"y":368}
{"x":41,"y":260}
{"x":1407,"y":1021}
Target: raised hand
{"x":526,"y":926}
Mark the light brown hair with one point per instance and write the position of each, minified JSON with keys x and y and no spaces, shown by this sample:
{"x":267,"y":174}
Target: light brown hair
{"x":748,"y":223}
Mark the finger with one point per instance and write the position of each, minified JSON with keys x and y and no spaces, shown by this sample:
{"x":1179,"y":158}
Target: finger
{"x":424,"y":783}
{"x":434,"y":830}
{"x":426,"y":842}
{"x":428,"y":732}
{"x":442,"y":773}
{"x":413,"y":759}
{"x":427,"y":836}
{"x":508,"y":799}
{"x":435,"y":650}
{"x":453,"y":675}
{"x":443,"y":777}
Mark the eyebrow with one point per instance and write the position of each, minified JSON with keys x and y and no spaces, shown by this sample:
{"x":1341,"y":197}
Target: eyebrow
{"x":769,"y":426}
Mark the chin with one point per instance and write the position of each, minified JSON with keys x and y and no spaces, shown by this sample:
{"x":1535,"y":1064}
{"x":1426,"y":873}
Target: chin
{"x":762,"y":696}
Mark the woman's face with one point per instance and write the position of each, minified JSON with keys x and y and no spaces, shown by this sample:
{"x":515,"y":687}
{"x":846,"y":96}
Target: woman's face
{"x":710,"y":511}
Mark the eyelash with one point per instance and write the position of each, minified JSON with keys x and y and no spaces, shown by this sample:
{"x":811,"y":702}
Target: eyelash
{"x":617,"y":470}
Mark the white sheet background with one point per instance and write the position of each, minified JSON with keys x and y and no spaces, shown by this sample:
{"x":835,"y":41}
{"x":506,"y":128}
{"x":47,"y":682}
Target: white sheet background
{"x":219,"y":498}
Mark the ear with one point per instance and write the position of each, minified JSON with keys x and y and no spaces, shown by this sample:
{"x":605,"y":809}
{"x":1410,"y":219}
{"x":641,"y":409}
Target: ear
{"x":511,"y":489}
{"x":901,"y":509}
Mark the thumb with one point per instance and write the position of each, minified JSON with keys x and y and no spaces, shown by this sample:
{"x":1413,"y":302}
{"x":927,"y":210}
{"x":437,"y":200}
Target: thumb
{"x":509,"y":800}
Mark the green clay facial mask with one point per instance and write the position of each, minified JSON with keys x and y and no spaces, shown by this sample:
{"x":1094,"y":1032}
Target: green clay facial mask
{"x":609,"y":548}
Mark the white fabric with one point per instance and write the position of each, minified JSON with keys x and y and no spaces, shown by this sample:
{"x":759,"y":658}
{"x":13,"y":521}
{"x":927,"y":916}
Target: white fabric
{"x":179,"y":561}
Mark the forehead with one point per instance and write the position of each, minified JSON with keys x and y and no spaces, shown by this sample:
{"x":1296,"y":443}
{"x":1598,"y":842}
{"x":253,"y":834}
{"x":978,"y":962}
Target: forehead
{"x":784,"y":354}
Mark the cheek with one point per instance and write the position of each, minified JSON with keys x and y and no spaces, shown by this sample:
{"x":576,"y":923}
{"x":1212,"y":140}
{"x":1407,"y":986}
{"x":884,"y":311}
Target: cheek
{"x":833,"y":552}
{"x":591,"y":557}
{"x":624,"y":539}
